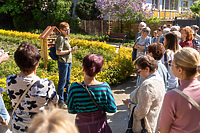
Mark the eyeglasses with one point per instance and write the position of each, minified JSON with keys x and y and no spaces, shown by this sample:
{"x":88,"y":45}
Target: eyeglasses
{"x":67,"y":30}
{"x":139,"y":70}
{"x":171,"y":64}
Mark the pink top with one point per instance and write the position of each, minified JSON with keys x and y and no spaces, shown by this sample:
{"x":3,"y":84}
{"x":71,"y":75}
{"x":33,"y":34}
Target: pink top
{"x":178,"y":115}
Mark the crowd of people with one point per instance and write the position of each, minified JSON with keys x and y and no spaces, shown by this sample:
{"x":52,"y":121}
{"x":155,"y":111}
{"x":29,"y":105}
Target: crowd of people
{"x":167,"y":87}
{"x":166,"y":95}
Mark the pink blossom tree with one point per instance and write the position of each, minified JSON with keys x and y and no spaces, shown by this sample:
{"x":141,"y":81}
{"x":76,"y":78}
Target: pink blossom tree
{"x":125,"y":10}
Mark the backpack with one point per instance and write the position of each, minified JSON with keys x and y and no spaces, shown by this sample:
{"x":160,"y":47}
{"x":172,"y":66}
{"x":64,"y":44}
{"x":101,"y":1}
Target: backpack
{"x":52,"y":53}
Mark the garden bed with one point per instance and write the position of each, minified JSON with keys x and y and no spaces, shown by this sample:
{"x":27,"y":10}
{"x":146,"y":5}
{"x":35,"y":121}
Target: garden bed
{"x":117,"y":66}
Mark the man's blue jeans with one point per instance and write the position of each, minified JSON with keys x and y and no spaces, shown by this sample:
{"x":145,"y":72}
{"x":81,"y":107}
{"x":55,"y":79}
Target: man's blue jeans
{"x":64,"y":80}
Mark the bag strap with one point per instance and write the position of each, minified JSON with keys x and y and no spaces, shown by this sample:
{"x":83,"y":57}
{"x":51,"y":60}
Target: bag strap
{"x":90,"y":95}
{"x":188,"y":98}
{"x":165,"y":60}
{"x":130,"y":122}
{"x":23,"y":96}
{"x":142,"y":123}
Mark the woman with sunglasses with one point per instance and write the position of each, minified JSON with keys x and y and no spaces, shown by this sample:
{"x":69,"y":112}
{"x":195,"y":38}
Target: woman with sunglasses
{"x":64,"y":52}
{"x":178,"y":114}
{"x":171,"y":46}
{"x":148,"y":97}
{"x":141,"y":44}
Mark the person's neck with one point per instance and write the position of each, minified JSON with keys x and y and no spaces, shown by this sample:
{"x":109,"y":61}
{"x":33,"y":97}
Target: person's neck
{"x":90,"y":80}
{"x":185,"y":77}
{"x":184,"y":39}
{"x":144,"y":37}
{"x":27,"y":75}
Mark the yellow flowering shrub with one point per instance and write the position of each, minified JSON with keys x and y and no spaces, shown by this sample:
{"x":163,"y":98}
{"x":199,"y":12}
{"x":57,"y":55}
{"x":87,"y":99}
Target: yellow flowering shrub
{"x":27,"y":35}
{"x":117,"y":66}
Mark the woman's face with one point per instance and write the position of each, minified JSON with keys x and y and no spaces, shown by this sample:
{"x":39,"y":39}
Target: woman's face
{"x":145,"y":33}
{"x":143,"y":72}
{"x":183,"y":35}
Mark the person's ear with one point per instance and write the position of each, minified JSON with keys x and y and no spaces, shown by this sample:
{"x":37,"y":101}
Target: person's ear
{"x":180,"y":70}
{"x":83,"y":69}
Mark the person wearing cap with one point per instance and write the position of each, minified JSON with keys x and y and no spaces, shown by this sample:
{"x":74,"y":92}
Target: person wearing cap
{"x":141,"y":44}
{"x":195,"y":28}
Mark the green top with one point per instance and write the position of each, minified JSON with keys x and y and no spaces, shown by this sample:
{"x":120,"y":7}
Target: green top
{"x":62,"y":43}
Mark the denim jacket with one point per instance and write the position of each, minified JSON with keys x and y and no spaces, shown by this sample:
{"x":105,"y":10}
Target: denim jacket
{"x":134,"y":53}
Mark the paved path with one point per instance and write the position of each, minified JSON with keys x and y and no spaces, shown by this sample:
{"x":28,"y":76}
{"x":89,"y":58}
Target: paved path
{"x":116,"y":120}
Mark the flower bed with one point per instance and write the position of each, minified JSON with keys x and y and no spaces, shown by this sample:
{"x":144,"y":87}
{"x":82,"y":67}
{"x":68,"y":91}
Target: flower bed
{"x":117,"y":66}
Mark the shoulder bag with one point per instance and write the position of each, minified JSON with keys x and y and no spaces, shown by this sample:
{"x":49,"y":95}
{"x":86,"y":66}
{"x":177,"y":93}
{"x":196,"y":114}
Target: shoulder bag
{"x":91,"y":96}
{"x":188,"y":98}
{"x":25,"y":92}
{"x":130,"y":124}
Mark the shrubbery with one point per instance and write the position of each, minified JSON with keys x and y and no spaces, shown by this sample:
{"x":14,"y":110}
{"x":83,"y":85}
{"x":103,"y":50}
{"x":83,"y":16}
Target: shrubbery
{"x":117,"y":66}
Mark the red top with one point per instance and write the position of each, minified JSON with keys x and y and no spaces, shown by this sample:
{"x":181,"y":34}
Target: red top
{"x":186,"y":43}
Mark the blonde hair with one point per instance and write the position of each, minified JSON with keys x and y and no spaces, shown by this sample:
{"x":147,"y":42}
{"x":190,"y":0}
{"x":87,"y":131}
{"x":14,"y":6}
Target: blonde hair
{"x":188,"y":59}
{"x":55,"y":121}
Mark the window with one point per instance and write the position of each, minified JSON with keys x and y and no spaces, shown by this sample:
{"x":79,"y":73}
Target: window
{"x":169,"y":4}
{"x":155,"y":2}
{"x":184,"y":5}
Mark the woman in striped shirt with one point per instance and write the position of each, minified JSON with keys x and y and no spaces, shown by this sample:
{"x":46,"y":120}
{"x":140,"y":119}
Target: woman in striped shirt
{"x":90,"y":119}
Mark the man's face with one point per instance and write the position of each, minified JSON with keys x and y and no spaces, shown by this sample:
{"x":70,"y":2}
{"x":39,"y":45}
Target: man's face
{"x":140,"y":27}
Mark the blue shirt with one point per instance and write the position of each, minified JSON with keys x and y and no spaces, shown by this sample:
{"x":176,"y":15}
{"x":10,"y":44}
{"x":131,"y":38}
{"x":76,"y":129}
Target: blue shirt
{"x":162,"y":70}
{"x":3,"y":114}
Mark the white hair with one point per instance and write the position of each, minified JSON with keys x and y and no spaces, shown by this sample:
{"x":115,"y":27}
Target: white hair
{"x":144,"y":24}
{"x":166,"y":30}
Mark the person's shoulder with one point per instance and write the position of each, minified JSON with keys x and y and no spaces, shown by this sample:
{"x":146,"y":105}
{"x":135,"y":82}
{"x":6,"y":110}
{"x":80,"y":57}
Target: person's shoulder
{"x":171,"y":93}
{"x":75,"y":85}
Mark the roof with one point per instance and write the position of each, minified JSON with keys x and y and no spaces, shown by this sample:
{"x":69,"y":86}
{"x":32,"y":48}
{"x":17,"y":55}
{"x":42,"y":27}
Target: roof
{"x":47,"y":32}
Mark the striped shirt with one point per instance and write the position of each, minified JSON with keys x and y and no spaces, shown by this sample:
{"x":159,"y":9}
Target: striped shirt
{"x":79,"y":100}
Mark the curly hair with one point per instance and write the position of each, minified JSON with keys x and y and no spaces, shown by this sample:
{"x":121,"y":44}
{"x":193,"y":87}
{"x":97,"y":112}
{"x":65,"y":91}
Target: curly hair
{"x":157,"y":50}
{"x":189,"y":33}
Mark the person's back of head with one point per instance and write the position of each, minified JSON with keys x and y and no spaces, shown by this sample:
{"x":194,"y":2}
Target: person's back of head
{"x":188,"y":59}
{"x":188,"y":32}
{"x":157,"y":50}
{"x":55,"y":121}
{"x":27,"y":57}
{"x":166,"y":30}
{"x":171,"y":41}
{"x":92,"y":64}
